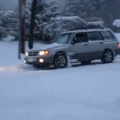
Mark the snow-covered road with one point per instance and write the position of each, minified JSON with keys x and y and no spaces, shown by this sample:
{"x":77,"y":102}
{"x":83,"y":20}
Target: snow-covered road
{"x":89,"y":92}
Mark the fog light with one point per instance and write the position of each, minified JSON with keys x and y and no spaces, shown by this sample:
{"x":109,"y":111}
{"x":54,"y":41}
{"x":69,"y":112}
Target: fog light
{"x":24,"y":61}
{"x":41,"y":60}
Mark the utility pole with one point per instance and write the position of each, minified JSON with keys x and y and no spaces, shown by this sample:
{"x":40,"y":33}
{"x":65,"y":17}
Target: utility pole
{"x":21,"y":23}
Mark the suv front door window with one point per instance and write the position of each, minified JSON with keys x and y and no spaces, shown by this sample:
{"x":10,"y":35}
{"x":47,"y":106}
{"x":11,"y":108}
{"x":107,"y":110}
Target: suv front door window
{"x":79,"y":47}
{"x":80,"y":37}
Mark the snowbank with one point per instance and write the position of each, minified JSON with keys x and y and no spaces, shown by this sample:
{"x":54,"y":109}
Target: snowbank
{"x":75,"y":19}
{"x":9,"y":38}
{"x":118,"y":36}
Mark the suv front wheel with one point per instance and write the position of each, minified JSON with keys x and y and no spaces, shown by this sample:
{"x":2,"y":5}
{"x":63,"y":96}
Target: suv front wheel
{"x":60,"y":60}
{"x":107,"y":57}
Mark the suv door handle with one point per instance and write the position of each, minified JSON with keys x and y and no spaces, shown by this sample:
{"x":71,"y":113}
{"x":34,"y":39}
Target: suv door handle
{"x":101,"y":42}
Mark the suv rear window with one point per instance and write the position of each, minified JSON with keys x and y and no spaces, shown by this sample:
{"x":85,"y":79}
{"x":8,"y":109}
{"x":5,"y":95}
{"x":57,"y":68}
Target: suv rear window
{"x":93,"y":36}
{"x":107,"y":35}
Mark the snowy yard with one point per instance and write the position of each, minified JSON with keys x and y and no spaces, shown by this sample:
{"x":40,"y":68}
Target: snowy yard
{"x":89,"y":92}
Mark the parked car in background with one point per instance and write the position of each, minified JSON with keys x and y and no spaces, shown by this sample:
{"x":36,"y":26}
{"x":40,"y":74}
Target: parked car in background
{"x":116,"y":25}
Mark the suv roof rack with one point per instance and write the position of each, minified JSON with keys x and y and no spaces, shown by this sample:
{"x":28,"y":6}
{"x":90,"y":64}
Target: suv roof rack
{"x":94,"y":26}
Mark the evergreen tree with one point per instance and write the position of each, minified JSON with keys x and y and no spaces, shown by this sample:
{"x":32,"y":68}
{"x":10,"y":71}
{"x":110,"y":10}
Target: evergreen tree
{"x":75,"y":8}
{"x":8,"y":23}
{"x":45,"y":24}
{"x":94,"y":10}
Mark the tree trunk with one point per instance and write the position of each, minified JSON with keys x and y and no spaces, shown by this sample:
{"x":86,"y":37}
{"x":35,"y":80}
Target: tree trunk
{"x":32,"y":23}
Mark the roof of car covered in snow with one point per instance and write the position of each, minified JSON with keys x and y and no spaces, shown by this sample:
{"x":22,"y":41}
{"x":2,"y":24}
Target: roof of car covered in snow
{"x":116,"y":22}
{"x":86,"y":30}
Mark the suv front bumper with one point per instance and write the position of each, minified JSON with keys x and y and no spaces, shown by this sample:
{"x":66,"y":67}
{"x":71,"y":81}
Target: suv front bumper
{"x":42,"y":61}
{"x":117,"y":51}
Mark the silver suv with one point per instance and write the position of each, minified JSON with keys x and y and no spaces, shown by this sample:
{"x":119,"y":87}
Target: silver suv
{"x":83,"y":45}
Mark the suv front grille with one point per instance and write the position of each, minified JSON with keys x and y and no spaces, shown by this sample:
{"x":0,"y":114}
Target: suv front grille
{"x":33,"y":53}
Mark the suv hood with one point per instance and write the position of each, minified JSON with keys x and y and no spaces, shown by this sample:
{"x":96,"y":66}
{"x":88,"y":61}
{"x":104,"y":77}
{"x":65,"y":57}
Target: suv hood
{"x":49,"y":47}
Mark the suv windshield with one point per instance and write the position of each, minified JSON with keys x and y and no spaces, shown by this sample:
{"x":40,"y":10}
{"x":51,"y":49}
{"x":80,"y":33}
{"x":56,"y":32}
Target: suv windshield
{"x":62,"y":39}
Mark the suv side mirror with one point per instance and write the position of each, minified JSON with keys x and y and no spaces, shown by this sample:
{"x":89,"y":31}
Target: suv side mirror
{"x":74,"y":41}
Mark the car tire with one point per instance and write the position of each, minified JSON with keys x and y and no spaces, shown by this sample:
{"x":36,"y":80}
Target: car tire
{"x":60,"y":60}
{"x":107,"y":57}
{"x":85,"y":62}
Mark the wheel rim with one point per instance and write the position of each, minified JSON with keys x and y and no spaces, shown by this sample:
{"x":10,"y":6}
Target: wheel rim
{"x":61,"y":61}
{"x":108,"y":56}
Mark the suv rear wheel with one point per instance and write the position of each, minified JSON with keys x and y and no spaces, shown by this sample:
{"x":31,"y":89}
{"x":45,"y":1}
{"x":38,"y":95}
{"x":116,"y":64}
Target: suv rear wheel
{"x":60,"y":60}
{"x":107,"y":57}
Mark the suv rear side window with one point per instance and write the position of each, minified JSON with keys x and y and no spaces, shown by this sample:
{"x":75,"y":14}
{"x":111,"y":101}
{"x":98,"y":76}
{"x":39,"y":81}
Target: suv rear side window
{"x":94,"y":36}
{"x":107,"y":35}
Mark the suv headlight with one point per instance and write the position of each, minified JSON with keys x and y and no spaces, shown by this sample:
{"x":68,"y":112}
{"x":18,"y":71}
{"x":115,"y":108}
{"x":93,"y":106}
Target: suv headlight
{"x":46,"y":52}
{"x":27,"y":54}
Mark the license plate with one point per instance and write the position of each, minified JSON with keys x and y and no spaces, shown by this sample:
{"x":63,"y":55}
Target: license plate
{"x":31,"y":60}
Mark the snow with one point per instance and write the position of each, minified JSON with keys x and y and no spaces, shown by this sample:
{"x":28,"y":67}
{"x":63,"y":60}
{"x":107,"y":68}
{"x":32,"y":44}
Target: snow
{"x":118,"y":36}
{"x":9,"y":38}
{"x":77,"y":93}
{"x":96,"y":23}
{"x":116,"y":22}
{"x":49,"y":46}
{"x":75,"y":19}
{"x":7,"y":13}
